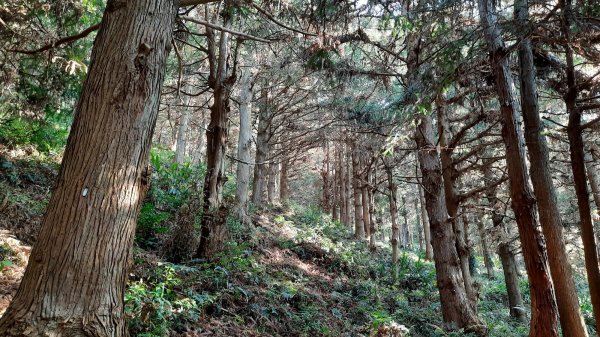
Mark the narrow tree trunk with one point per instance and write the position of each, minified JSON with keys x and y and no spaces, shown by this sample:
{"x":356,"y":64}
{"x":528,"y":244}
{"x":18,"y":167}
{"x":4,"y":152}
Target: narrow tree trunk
{"x":571,"y":319}
{"x":348,"y":184}
{"x":426,"y":224}
{"x":342,"y":185}
{"x":393,"y":216}
{"x":200,"y":150}
{"x":272,"y":182}
{"x":372,"y":223}
{"x":335,"y":184}
{"x":244,"y":145}
{"x":182,"y":132}
{"x":404,"y":230}
{"x":213,"y":230}
{"x":576,"y":146}
{"x":590,"y":156}
{"x":543,"y":305}
{"x":75,"y":280}
{"x":284,"y":189}
{"x":485,"y":249}
{"x":419,"y":226}
{"x":262,"y":150}
{"x":509,"y":265}
{"x":359,"y":229}
{"x":456,"y":306}
{"x":365,"y":205}
{"x":511,"y":279}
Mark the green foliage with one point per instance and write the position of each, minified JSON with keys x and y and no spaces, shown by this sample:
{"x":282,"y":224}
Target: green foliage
{"x":154,"y":307}
{"x":48,"y":135}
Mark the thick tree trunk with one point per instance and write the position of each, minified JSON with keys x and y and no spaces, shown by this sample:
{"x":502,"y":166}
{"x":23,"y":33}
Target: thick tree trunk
{"x":543,"y":305}
{"x":244,"y":145}
{"x":571,"y":319}
{"x":450,"y":175}
{"x":576,"y":146}
{"x":359,"y":229}
{"x":213,"y":230}
{"x":75,"y":280}
{"x":456,"y":306}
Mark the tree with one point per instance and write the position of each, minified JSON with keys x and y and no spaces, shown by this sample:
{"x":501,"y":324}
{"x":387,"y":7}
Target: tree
{"x":75,"y":281}
{"x":543,"y":305}
{"x":566,"y":295}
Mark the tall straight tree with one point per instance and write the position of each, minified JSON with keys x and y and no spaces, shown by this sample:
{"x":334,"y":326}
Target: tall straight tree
{"x":571,"y":319}
{"x":576,"y":147}
{"x":543,"y":306}
{"x":75,"y":280}
{"x":244,"y":145}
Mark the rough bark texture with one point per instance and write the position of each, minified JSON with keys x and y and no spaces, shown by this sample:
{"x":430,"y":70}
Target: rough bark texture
{"x":284,"y":187}
{"x":571,"y":319}
{"x":213,"y":232}
{"x":576,"y":146}
{"x":450,"y":175}
{"x":456,"y":306}
{"x":75,"y":280}
{"x":543,"y":305}
{"x":244,"y":145}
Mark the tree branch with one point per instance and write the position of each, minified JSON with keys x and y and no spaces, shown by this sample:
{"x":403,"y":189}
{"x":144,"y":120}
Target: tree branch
{"x":58,"y":42}
{"x":223,"y":29}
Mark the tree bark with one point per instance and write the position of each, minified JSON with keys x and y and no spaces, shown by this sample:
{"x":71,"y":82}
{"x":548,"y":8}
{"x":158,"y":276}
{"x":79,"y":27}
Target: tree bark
{"x":576,"y":146}
{"x":543,"y":305}
{"x":571,"y":319}
{"x":393,"y":215}
{"x":426,"y":226}
{"x":213,"y":230}
{"x":456,"y":306}
{"x":262,"y":150}
{"x":284,"y":189}
{"x":485,"y":249}
{"x":75,"y":280}
{"x":244,"y":145}
{"x":450,"y":175}
{"x":359,"y":229}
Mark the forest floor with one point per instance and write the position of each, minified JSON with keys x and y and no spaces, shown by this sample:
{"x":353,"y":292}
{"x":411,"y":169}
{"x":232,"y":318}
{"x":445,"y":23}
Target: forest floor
{"x":294,"y":272}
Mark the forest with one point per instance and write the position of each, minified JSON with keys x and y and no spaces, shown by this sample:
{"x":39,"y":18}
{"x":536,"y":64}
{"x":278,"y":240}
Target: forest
{"x":380,"y":168}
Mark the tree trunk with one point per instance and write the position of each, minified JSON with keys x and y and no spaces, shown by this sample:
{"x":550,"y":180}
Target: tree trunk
{"x":284,"y":189}
{"x":404,"y":230}
{"x":571,"y":319}
{"x":200,"y":151}
{"x":262,"y":150}
{"x":359,"y":229}
{"x":590,"y":156}
{"x":348,"y":184}
{"x":419,"y":225}
{"x":335,"y":188}
{"x":244,"y":145}
{"x":213,"y":230}
{"x":456,"y":306}
{"x":75,"y":280}
{"x":511,"y":279}
{"x":273,"y":182}
{"x":543,"y":306}
{"x":450,"y":175}
{"x":393,"y":216}
{"x":372,"y":223}
{"x":182,"y":131}
{"x":365,"y":205}
{"x":485,"y":249}
{"x":426,"y":226}
{"x":576,"y":146}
